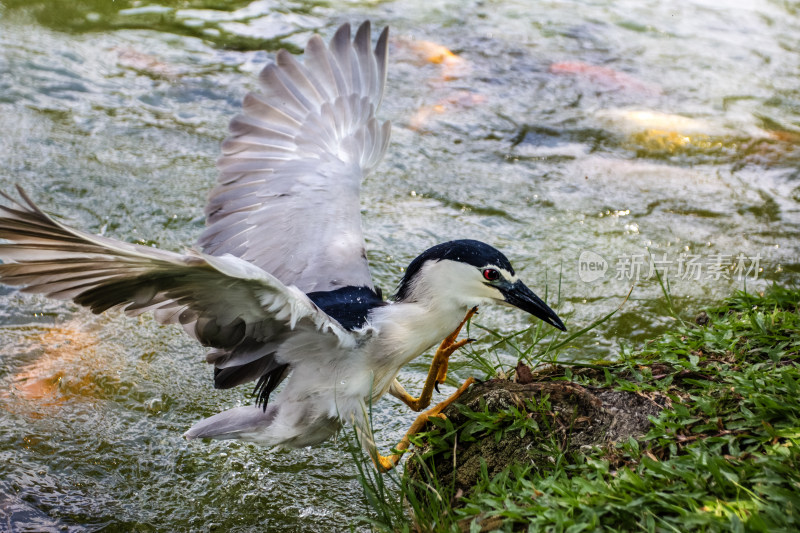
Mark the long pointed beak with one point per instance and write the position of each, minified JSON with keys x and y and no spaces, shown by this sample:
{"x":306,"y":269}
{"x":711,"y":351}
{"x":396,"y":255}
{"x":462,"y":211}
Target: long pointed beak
{"x":519,"y":295}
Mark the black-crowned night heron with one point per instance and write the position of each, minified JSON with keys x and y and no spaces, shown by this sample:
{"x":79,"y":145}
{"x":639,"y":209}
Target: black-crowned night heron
{"x":282,"y":287}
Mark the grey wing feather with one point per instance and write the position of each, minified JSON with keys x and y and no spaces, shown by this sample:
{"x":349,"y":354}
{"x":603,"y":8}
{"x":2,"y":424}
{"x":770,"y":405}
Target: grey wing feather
{"x":224,"y":302}
{"x":291,"y":170}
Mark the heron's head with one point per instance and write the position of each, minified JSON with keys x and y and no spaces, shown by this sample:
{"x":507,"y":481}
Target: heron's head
{"x":470,"y":273}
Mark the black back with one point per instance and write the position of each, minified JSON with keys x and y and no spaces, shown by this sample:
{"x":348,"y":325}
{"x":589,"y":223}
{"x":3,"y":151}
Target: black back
{"x":475,"y":253}
{"x":348,"y":305}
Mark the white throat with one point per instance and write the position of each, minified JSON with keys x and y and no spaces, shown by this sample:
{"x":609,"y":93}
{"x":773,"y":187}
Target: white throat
{"x":438,"y":300}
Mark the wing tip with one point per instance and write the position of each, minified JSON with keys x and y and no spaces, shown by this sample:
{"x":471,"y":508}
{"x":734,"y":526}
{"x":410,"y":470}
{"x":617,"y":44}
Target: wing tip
{"x":341,"y":38}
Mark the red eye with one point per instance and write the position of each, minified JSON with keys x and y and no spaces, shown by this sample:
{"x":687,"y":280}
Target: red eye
{"x":491,"y":274}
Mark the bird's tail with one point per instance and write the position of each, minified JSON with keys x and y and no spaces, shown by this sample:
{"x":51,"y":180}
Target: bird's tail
{"x":247,"y":423}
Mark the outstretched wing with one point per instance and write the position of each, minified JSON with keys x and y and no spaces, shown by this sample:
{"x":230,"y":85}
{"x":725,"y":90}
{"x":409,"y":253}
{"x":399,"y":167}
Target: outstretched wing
{"x":224,"y":302}
{"x":290,"y":172}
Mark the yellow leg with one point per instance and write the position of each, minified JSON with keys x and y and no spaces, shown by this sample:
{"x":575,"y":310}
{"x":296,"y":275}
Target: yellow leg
{"x":438,"y":371}
{"x":385,"y":463}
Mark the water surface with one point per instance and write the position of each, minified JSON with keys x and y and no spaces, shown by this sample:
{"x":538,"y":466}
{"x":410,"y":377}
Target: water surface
{"x":585,"y":139}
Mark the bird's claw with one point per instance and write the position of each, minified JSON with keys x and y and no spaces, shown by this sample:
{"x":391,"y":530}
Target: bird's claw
{"x":436,"y":386}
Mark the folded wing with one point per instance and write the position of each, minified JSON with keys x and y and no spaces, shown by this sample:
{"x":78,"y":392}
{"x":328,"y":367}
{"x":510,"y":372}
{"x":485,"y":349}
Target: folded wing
{"x":291,"y":170}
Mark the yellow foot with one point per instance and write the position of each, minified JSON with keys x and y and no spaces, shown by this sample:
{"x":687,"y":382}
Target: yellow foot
{"x":438,"y":371}
{"x":384,"y":463}
{"x":449,"y":346}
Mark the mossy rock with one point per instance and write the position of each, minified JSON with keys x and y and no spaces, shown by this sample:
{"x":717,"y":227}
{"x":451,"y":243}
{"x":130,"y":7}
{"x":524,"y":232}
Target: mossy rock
{"x":570,"y":416}
{"x":697,"y":430}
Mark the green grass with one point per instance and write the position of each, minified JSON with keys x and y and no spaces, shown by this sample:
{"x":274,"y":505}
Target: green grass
{"x":723,"y":457}
{"x":535,"y":345}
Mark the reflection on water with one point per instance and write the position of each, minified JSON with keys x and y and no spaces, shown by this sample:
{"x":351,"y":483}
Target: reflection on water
{"x":591,"y":142}
{"x":68,"y":367}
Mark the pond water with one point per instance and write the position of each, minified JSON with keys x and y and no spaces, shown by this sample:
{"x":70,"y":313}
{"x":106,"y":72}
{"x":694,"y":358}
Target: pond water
{"x":589,"y":140}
